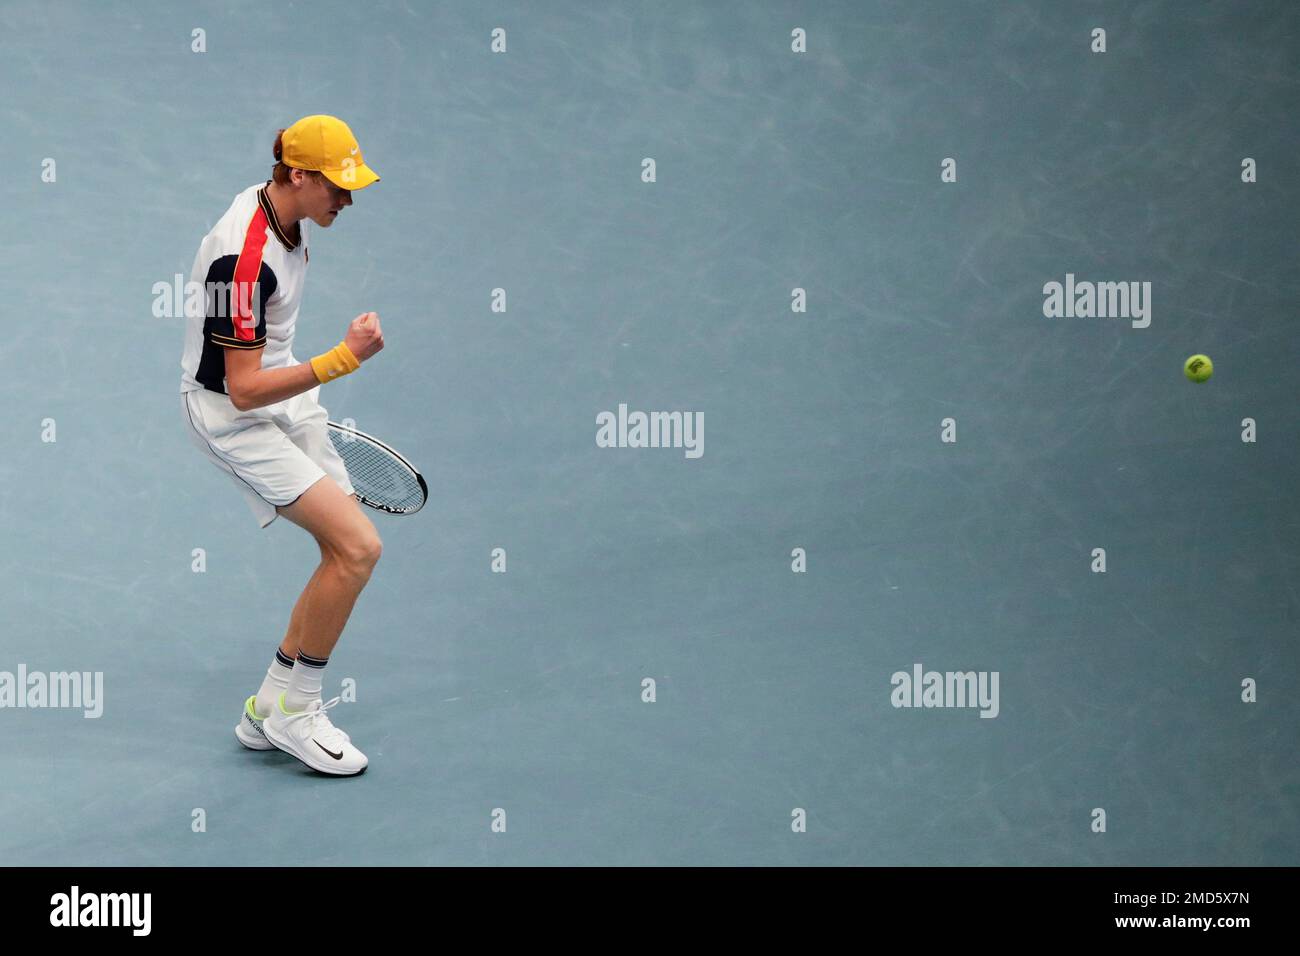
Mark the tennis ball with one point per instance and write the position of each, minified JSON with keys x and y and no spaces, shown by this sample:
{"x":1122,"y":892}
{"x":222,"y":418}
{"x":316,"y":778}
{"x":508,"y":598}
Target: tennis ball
{"x":1198,"y":368}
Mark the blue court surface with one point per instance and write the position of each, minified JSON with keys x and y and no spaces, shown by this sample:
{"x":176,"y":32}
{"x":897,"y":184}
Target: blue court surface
{"x":921,"y":462}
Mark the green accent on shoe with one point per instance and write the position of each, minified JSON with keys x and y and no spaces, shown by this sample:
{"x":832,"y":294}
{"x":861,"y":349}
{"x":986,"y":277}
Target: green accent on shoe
{"x":252,"y":710}
{"x":285,"y":710}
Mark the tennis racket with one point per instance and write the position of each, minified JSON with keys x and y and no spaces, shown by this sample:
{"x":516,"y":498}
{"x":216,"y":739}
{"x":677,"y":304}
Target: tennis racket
{"x":381,"y":477}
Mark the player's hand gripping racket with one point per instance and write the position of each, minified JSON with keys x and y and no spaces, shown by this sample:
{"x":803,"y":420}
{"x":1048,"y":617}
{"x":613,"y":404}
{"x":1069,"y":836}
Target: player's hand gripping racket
{"x":382,"y":478}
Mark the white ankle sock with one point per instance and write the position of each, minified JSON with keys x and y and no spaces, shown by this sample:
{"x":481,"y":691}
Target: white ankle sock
{"x":275,"y":683}
{"x":304,"y":682}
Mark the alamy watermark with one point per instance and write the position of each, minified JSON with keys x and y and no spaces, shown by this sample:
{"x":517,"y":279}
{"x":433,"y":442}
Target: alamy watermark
{"x":922,"y":688}
{"x":1102,"y":300}
{"x":75,"y":908}
{"x":72,"y":690}
{"x":651,"y":430}
{"x":179,"y":299}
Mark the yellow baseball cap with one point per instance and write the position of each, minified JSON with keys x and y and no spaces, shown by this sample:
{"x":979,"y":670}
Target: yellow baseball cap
{"x":325,"y":144}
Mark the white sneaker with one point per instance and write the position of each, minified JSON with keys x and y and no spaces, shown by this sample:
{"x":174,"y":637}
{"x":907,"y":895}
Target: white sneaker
{"x":249,"y":729}
{"x":309,"y":736}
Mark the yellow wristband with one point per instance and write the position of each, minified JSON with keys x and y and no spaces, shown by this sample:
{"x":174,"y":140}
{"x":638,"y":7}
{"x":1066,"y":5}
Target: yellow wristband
{"x":334,"y":363}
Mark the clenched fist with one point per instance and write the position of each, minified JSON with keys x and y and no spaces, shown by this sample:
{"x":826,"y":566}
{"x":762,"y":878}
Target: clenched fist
{"x":364,"y":337}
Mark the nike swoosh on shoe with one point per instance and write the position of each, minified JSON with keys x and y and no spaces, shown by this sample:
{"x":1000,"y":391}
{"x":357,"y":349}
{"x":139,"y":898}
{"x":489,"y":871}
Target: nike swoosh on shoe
{"x":336,"y":756}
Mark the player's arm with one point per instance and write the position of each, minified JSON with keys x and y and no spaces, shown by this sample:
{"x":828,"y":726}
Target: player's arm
{"x":251,"y":386}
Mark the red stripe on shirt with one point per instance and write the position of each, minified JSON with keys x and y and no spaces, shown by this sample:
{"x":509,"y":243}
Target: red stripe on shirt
{"x":247,"y":269}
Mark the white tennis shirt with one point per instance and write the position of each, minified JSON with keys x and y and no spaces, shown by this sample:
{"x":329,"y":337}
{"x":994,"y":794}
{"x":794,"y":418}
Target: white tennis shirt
{"x":253,"y":278}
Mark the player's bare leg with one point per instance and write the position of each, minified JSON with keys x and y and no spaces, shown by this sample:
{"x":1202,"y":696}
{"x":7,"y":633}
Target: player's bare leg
{"x":292,"y":637}
{"x":350,"y":548}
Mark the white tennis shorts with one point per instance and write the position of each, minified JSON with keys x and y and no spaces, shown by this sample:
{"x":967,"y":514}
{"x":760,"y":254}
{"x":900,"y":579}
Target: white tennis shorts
{"x":273,"y":454}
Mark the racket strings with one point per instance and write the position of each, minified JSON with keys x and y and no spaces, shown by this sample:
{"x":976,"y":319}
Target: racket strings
{"x":377,"y":475}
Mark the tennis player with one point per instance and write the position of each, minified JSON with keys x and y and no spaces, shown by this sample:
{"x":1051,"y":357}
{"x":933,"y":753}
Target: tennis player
{"x":252,"y":409}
